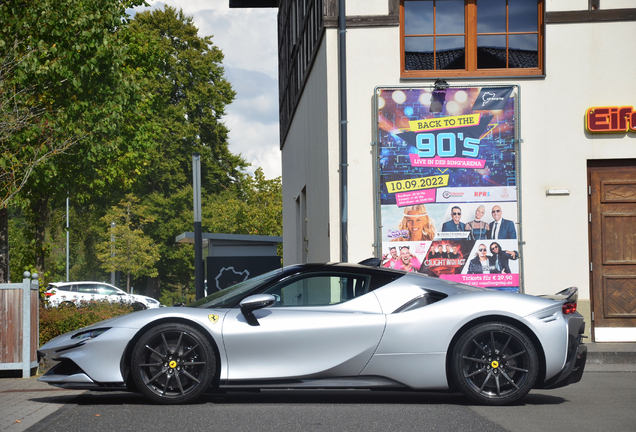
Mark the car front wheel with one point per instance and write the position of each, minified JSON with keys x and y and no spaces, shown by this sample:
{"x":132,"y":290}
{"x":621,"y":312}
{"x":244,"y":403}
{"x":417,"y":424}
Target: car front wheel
{"x":494,"y":364}
{"x":137,"y":306}
{"x":173,"y":363}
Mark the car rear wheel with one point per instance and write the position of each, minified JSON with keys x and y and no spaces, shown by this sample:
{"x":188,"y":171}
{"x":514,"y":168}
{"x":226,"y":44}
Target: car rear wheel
{"x":173,"y":363}
{"x":494,"y":364}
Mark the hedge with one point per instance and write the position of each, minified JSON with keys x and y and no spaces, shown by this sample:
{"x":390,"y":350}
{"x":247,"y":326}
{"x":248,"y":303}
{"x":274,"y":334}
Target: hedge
{"x":55,"y":321}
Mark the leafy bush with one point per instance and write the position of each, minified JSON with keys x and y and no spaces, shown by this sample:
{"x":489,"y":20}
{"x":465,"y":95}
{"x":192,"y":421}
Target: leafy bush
{"x":66,"y":318}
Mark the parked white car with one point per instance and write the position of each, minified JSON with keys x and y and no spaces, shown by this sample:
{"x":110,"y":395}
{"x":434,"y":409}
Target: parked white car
{"x":76,"y":292}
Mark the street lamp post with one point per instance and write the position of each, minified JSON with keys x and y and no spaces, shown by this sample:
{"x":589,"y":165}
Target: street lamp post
{"x":112,"y":250}
{"x":198,"y":241}
{"x":67,"y":238}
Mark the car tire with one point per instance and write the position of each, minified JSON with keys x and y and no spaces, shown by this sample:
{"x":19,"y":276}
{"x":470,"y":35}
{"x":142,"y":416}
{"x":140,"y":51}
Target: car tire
{"x":137,"y":306}
{"x":173,"y":363}
{"x":494,"y":363}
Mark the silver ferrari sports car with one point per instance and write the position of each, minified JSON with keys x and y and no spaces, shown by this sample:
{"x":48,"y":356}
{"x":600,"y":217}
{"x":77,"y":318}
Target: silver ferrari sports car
{"x":332,"y":326}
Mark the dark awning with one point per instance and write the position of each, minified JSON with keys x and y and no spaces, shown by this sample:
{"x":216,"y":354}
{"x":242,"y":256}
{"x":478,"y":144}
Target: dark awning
{"x":253,"y":3}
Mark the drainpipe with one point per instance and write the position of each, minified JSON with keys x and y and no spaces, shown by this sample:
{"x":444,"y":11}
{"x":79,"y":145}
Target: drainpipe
{"x":342,"y":64}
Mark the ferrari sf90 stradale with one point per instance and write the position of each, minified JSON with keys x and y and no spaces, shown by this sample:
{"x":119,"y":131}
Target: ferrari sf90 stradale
{"x":332,"y":326}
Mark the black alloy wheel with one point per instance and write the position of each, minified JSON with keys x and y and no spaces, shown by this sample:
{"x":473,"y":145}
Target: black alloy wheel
{"x":494,"y":364}
{"x":173,"y":363}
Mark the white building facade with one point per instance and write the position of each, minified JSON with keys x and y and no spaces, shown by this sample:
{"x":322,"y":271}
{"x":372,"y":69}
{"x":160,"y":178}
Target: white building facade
{"x":575,"y":148}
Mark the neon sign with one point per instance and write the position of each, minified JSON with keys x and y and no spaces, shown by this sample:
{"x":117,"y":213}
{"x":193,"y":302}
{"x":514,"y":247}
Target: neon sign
{"x":610,"y":119}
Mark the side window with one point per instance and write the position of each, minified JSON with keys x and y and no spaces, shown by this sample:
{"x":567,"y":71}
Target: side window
{"x":319,"y":289}
{"x":87,"y":289}
{"x":106,"y":290}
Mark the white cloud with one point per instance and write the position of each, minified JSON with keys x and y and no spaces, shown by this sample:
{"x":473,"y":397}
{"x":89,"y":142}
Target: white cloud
{"x":253,"y":120}
{"x":256,"y":94}
{"x":248,"y":39}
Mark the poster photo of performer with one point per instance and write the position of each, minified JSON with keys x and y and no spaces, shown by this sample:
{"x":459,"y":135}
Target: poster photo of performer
{"x":501,"y":228}
{"x":391,"y":258}
{"x":416,"y":223}
{"x":478,"y":228}
{"x":446,"y":257}
{"x":455,"y":224}
{"x":407,"y":261}
{"x":405,"y":255}
{"x":493,"y":257}
{"x":480,"y":263}
{"x":500,"y":258}
{"x":485,"y":221}
{"x":453,"y":227}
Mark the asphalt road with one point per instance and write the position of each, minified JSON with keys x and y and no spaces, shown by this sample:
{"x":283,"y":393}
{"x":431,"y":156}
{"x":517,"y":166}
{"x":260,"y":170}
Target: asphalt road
{"x":601,"y":401}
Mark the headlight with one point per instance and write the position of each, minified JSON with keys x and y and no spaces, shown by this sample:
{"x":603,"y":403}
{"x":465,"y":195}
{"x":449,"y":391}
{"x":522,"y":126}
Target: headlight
{"x":89,"y":334}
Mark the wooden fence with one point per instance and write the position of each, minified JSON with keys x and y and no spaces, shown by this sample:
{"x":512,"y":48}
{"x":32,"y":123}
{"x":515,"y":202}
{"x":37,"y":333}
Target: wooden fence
{"x":19,"y":325}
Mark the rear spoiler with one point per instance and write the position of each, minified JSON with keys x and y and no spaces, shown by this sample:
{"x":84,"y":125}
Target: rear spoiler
{"x":371,"y":262}
{"x":568,"y":295}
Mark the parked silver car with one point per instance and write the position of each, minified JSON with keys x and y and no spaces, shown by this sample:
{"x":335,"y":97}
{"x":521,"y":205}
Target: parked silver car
{"x":333,"y":326}
{"x":75,"y":292}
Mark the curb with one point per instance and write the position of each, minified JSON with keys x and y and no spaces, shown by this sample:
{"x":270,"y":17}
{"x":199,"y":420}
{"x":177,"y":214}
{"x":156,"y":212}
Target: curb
{"x":611,"y":353}
{"x":609,"y":357}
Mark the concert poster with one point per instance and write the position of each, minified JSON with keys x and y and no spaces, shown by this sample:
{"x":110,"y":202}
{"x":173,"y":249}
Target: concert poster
{"x":448,"y":183}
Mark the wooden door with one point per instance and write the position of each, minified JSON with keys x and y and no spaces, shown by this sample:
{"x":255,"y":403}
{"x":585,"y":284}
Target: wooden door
{"x":613,"y":250}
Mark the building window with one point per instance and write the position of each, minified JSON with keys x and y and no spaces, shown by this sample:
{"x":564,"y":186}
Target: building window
{"x":300,"y":28}
{"x":455,"y":38}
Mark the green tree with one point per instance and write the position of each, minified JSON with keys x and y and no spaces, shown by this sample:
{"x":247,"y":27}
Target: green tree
{"x":85,"y":231}
{"x":77,"y":76}
{"x":189,"y":94}
{"x":64,"y":77}
{"x":255,"y":208}
{"x":174,"y":215}
{"x":23,"y":111}
{"x":193,"y":92}
{"x":125,"y":247}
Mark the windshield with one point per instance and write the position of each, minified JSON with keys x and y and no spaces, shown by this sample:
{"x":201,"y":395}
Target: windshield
{"x":228,"y":296}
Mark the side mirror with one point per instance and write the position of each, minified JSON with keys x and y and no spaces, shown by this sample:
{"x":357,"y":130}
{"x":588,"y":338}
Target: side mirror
{"x":250,"y":304}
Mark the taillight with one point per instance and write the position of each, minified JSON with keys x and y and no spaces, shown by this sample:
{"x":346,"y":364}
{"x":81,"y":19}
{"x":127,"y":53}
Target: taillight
{"x":569,"y":308}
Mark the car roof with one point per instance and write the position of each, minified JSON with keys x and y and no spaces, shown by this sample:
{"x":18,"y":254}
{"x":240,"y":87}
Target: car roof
{"x":342,"y":267}
{"x":60,"y":284}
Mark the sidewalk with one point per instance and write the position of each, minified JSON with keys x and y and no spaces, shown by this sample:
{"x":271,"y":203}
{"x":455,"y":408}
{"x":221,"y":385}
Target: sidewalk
{"x":26,"y":401}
